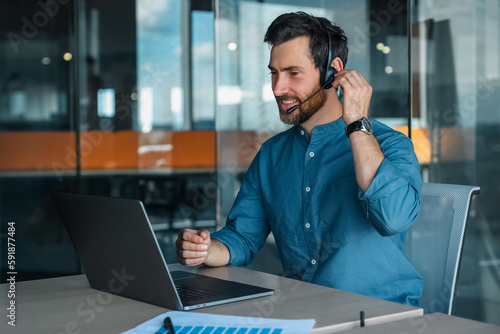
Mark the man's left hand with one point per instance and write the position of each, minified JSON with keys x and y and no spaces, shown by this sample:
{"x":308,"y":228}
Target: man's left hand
{"x":357,"y":95}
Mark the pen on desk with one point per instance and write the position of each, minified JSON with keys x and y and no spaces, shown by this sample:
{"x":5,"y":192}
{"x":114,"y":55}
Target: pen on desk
{"x":167,"y":323}
{"x":362,"y":318}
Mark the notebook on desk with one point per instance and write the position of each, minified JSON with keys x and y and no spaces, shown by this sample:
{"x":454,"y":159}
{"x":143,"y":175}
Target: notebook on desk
{"x":119,"y":253}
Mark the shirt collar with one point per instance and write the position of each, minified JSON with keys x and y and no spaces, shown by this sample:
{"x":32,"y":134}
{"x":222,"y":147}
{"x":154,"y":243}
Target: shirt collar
{"x":323,"y":129}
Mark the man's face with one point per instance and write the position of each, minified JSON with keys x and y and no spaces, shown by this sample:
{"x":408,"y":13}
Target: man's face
{"x":294,"y":79}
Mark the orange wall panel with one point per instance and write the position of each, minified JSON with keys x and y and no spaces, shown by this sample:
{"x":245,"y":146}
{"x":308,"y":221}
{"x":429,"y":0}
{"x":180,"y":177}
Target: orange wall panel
{"x":28,"y":151}
{"x":193,"y":149}
{"x":96,"y":148}
{"x":51,"y":150}
{"x":155,"y":149}
{"x":109,"y":150}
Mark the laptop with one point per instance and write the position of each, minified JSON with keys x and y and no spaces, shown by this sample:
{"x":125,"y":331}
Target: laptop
{"x":119,"y":253}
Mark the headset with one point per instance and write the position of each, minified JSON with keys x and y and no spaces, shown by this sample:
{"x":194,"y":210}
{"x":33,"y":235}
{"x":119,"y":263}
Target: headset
{"x":327,"y":75}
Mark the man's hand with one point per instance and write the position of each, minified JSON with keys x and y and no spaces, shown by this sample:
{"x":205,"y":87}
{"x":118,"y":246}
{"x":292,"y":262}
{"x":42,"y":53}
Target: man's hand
{"x":196,"y":247}
{"x":357,"y":95}
{"x":192,"y":247}
{"x":365,"y":149}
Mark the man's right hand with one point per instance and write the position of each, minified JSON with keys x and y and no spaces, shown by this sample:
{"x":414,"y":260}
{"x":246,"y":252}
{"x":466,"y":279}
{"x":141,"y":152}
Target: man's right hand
{"x":196,"y":247}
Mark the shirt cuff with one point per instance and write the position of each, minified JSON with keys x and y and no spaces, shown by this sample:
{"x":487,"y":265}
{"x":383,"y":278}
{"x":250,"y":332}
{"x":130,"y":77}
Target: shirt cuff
{"x":236,"y":252}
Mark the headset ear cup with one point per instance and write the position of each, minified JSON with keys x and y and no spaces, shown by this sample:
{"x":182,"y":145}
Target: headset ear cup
{"x":331,"y":78}
{"x":327,"y":76}
{"x":329,"y":82}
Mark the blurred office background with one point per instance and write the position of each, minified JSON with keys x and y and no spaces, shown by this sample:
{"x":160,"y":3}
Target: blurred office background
{"x":168,"y":101}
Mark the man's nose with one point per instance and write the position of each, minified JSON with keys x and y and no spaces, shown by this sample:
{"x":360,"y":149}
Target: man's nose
{"x":281,"y":86}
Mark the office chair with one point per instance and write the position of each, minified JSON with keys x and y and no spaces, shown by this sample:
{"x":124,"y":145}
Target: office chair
{"x":434,"y":242}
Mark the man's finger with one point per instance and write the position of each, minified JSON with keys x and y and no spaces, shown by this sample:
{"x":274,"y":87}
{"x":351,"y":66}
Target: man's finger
{"x":342,"y":82}
{"x":338,"y":76}
{"x":191,"y":235}
{"x":187,"y":245}
{"x":194,"y":262}
{"x":193,"y":254}
{"x":181,"y":233}
{"x":363,"y":79}
{"x":205,"y":234}
{"x":354,"y":79}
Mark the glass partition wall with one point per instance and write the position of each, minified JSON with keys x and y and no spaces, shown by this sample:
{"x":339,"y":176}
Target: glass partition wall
{"x":37,"y":135}
{"x":456,"y":79}
{"x":111,"y":98}
{"x":168,"y":101}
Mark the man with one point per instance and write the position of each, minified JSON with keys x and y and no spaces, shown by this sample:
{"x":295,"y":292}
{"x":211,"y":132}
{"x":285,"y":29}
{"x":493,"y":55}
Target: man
{"x":338,"y":205}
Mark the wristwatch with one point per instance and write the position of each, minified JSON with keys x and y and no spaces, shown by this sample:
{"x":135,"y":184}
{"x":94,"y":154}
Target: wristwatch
{"x":362,"y":124}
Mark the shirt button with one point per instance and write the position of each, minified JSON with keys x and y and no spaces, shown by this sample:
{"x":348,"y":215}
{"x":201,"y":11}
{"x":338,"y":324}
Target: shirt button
{"x":308,"y":189}
{"x":308,"y":225}
{"x":302,"y":132}
{"x":311,"y":154}
{"x":313,"y":261}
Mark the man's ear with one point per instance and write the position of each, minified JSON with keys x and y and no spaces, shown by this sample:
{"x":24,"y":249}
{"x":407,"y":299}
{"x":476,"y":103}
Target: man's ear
{"x":337,"y":64}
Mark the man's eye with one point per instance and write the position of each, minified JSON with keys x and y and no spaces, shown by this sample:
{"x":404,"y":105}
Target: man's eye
{"x":294,"y":73}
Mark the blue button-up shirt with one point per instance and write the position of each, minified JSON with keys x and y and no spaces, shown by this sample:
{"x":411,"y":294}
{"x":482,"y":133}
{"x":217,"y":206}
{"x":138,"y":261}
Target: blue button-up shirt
{"x":327,"y":230}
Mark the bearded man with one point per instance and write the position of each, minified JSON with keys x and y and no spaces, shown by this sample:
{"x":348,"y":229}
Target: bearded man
{"x":337,"y":190}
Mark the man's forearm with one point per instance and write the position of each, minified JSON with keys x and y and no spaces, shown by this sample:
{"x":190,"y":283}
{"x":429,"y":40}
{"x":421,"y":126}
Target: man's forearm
{"x":367,"y":157}
{"x":218,"y":254}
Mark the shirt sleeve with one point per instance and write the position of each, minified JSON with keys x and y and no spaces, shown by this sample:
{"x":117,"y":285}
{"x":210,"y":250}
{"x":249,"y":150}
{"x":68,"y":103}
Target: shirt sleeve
{"x":246,"y":227}
{"x":393,"y":198}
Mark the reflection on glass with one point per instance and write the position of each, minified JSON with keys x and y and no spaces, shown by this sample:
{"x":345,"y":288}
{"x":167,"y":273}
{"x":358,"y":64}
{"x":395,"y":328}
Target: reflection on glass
{"x":146,"y":109}
{"x":203,"y":70}
{"x":176,"y":98}
{"x":159,"y":70}
{"x":106,"y":102}
{"x":455,"y":57}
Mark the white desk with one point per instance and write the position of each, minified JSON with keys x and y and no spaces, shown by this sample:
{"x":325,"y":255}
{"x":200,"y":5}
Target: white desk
{"x":68,"y":304}
{"x":430,"y":324}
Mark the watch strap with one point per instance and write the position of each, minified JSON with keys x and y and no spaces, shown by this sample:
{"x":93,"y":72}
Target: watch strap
{"x":362,"y":124}
{"x":353,"y":127}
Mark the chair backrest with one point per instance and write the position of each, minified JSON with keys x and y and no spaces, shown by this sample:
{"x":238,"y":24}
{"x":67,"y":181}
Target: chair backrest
{"x":434,"y":242}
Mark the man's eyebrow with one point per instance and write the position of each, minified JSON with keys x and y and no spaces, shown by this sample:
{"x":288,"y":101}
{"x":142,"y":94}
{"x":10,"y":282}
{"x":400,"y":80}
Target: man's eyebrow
{"x":289,"y":68}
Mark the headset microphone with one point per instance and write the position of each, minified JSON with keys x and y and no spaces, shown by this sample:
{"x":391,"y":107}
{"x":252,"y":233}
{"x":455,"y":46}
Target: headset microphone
{"x":292,"y":109}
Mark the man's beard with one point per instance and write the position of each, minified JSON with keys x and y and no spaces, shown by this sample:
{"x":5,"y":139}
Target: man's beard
{"x":305,"y":111}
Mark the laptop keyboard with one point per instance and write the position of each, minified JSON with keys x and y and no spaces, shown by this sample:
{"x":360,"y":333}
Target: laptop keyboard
{"x":187,"y":293}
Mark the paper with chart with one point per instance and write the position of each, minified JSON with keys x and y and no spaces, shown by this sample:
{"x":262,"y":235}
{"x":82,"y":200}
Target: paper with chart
{"x":202,"y":323}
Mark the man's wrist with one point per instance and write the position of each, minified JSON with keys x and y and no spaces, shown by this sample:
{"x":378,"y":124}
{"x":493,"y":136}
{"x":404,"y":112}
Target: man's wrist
{"x":351,"y":119}
{"x":362,"y":125}
{"x":218,"y":254}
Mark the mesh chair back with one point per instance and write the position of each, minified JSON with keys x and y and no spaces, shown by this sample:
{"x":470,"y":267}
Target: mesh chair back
{"x":434,"y":242}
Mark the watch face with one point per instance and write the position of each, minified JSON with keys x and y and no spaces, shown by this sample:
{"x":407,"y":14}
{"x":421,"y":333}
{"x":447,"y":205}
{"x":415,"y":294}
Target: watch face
{"x":367,"y":125}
